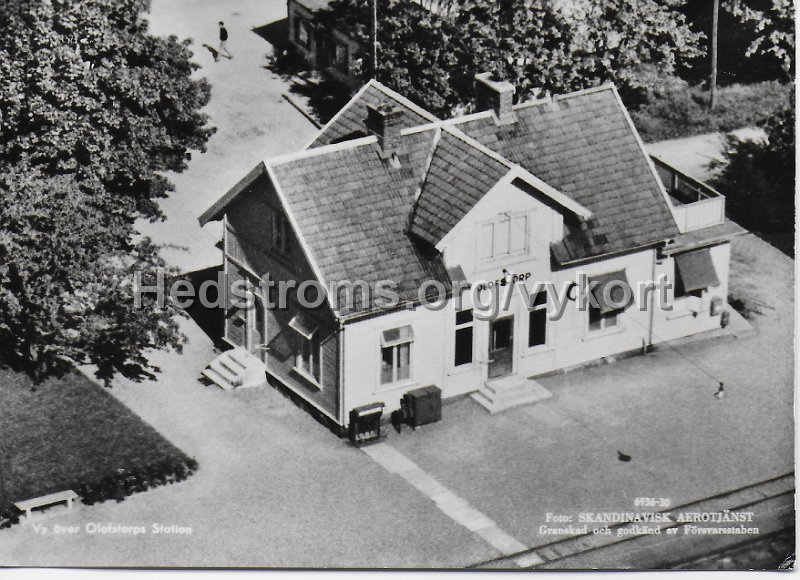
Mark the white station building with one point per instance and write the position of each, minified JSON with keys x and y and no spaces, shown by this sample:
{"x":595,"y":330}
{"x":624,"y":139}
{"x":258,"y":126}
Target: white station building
{"x":527,"y":193}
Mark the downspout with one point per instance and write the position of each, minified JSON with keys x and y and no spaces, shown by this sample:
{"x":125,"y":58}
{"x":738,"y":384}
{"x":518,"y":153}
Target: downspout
{"x":652,"y":303}
{"x":341,"y":375}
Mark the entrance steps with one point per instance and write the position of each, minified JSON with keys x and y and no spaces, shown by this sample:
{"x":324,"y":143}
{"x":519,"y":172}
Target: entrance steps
{"x":507,"y":392}
{"x":236,"y":368}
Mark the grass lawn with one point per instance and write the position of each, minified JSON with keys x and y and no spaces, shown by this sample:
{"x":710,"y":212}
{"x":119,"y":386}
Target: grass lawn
{"x":68,"y":432}
{"x":682,"y":111}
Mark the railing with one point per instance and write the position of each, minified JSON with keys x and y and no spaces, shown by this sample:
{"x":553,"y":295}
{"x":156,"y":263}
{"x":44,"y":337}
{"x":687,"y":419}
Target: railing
{"x":695,"y":205}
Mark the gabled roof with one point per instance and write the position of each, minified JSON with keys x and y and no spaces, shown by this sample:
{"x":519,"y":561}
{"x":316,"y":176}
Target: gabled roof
{"x":361,"y":218}
{"x":584,"y":145}
{"x":352,"y":207}
{"x":458,"y":176}
{"x":350,"y":122}
{"x":459,"y":173}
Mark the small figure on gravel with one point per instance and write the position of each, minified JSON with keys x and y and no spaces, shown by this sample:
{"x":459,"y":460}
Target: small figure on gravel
{"x":223,"y":40}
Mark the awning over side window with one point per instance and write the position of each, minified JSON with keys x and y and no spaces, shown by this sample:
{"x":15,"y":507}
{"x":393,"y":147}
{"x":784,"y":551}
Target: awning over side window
{"x":396,"y":336}
{"x":695,"y":270}
{"x":303,"y":326}
{"x":616,"y":294}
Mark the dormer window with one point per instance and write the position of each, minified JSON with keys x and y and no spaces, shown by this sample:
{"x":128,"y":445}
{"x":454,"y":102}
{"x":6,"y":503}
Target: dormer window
{"x":504,"y":236}
{"x":280,"y":233}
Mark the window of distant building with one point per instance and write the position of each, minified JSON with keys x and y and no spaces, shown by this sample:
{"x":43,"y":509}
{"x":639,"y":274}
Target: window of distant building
{"x":301,"y":32}
{"x":340,"y":57}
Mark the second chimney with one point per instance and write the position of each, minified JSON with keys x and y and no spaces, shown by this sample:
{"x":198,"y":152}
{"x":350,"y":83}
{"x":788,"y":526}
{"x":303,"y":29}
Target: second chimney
{"x":496,"y":94}
{"x":385,"y":121}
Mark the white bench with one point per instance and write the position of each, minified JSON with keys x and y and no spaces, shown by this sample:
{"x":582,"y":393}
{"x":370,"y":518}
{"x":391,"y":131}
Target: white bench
{"x":30,"y":504}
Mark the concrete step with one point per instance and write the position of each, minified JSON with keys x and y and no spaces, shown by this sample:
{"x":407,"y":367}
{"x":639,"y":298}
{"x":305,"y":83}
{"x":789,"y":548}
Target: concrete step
{"x":510,"y":392}
{"x":494,"y":393}
{"x":235,"y":369}
{"x":217,"y":379}
{"x":224,"y":371}
{"x":241,"y":357}
{"x":231,"y":364}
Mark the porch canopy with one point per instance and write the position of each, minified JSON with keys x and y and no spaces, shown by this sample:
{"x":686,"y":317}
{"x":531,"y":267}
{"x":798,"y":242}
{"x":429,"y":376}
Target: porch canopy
{"x":695,"y":270}
{"x":616,"y":294}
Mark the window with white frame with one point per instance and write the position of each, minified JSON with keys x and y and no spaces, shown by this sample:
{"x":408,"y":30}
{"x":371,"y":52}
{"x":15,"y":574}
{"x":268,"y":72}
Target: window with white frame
{"x":464,"y":338}
{"x":308,"y":359}
{"x":396,"y":354}
{"x":599,"y":320}
{"x":280,"y":233}
{"x":505,"y":236}
{"x":537,"y":320}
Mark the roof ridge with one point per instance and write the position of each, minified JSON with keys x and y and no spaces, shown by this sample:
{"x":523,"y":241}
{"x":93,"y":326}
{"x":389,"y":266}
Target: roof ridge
{"x":643,"y":149}
{"x":341,"y":111}
{"x":418,"y":193}
{"x":321,"y":150}
{"x":563,"y":200}
{"x":403,"y":100}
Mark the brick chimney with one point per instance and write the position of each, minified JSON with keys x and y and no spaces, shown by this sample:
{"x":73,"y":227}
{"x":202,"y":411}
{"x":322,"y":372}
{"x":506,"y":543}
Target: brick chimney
{"x":496,"y":94}
{"x":385,"y":121}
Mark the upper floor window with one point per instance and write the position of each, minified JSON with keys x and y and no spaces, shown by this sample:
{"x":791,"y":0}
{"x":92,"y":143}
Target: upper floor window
{"x":505,"y":236}
{"x":396,"y":354}
{"x":280,"y":233}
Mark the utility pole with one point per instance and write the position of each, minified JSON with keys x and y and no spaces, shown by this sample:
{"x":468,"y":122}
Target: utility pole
{"x":373,"y":39}
{"x":714,"y":41}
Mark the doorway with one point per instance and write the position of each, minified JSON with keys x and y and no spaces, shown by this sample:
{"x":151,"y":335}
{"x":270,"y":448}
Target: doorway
{"x":501,"y":347}
{"x":256,"y":331}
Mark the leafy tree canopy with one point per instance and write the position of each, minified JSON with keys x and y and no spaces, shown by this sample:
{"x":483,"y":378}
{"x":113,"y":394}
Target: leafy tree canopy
{"x":758,"y":177}
{"x":95,"y":111}
{"x":431,"y":50}
{"x":773,"y":26}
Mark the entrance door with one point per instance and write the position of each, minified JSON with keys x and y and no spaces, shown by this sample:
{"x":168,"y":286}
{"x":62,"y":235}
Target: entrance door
{"x":256,"y":326}
{"x":501,"y":347}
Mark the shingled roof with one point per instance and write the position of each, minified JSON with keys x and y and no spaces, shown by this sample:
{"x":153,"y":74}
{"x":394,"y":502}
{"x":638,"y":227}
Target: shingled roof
{"x":361,"y":217}
{"x":352,"y":205}
{"x":459,"y":175}
{"x":350,"y":122}
{"x":584,"y":145}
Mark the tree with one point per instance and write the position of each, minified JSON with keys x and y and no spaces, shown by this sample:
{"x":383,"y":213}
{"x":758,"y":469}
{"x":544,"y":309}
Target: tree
{"x":95,"y":112}
{"x":523,"y":42}
{"x":88,"y":92}
{"x":758,"y":177}
{"x":432,"y":55}
{"x":632,"y":43}
{"x":773,"y":27}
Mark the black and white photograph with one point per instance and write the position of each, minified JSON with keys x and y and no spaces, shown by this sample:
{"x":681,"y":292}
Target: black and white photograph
{"x":465,"y":285}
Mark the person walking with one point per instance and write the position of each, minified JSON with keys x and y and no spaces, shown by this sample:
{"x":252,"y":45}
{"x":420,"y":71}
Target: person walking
{"x":223,"y":40}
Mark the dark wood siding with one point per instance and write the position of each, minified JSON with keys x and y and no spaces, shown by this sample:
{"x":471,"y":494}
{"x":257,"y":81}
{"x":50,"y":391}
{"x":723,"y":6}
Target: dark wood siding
{"x":249,"y":255}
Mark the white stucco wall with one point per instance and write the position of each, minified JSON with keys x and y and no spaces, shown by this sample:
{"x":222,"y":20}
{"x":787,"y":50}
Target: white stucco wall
{"x":569,"y":340}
